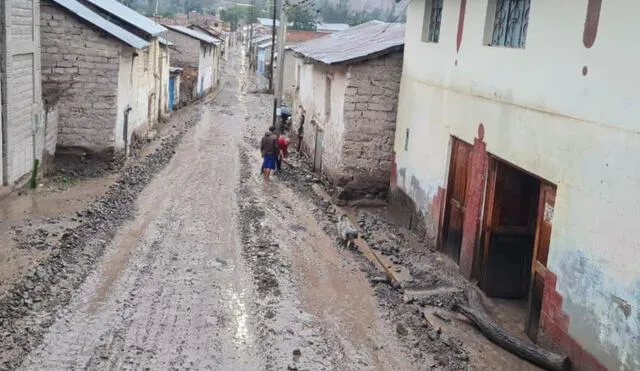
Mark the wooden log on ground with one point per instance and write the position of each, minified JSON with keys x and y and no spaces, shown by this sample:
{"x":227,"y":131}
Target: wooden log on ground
{"x":531,"y":352}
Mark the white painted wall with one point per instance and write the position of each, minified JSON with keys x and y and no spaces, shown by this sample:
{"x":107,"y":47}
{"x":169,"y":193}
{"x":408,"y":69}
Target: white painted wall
{"x":136,"y":89}
{"x":312,"y":98}
{"x":164,"y":80}
{"x":205,"y":68}
{"x":541,"y":113}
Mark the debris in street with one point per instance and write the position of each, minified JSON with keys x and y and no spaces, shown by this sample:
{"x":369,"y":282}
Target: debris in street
{"x":474,"y":310}
{"x":24,"y":321}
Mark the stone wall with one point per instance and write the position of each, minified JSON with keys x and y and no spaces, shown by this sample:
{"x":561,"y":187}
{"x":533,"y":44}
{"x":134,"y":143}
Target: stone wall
{"x":370,"y":119}
{"x":187,"y":50}
{"x":81,"y":66}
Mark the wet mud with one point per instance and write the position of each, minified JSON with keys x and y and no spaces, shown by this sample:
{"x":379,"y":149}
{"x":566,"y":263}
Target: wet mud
{"x":191,"y":261}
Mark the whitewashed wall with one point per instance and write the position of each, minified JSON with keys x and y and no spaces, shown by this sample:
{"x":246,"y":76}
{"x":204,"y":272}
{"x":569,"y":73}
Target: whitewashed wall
{"x":136,"y":89}
{"x":540,"y":113}
{"x":205,"y":68}
{"x":311,"y":97}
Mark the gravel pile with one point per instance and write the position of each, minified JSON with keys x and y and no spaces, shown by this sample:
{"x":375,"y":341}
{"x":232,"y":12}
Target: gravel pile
{"x":30,"y":307}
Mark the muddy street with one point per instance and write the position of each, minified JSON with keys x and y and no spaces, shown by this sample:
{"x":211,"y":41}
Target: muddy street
{"x":217,"y":270}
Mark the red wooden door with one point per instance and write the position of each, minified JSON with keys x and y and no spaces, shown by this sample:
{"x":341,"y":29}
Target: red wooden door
{"x":456,"y":197}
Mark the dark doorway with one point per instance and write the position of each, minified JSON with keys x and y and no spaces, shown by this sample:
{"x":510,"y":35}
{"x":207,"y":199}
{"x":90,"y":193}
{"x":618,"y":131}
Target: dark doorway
{"x":456,"y":198}
{"x":509,"y":231}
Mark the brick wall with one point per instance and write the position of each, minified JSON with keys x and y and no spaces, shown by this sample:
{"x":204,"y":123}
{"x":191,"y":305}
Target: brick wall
{"x":80,"y":65}
{"x":370,"y":119}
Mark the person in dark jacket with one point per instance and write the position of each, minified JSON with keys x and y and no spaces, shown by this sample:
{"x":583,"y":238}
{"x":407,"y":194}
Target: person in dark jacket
{"x":269,"y":149}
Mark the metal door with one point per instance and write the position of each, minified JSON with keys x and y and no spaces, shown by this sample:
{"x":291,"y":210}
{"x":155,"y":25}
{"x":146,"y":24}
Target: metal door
{"x":317,"y":157}
{"x":172,"y":92}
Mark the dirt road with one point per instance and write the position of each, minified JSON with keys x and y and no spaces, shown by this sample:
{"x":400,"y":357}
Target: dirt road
{"x":219,"y":271}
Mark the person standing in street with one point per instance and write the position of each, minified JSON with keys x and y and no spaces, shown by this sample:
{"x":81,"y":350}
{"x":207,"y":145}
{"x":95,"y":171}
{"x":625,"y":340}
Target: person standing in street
{"x":269,"y":150}
{"x":300,"y":131}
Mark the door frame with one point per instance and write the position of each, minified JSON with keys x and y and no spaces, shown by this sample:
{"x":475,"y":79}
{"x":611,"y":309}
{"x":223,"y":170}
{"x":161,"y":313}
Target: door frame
{"x":487,"y":217}
{"x":538,"y":269}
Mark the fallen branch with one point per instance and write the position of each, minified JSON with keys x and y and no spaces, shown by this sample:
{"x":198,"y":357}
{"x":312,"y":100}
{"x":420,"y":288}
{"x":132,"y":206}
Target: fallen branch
{"x":531,"y":352}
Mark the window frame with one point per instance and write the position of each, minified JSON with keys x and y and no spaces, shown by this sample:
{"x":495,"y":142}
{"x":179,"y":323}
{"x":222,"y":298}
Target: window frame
{"x":500,"y":28}
{"x":432,"y":21}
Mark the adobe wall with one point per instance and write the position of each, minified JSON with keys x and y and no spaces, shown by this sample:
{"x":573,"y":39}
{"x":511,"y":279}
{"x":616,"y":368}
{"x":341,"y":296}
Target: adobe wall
{"x":81,"y":67}
{"x":370,"y":119}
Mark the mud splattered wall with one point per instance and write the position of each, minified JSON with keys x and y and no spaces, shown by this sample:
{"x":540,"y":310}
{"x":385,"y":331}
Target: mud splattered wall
{"x":564,"y":116}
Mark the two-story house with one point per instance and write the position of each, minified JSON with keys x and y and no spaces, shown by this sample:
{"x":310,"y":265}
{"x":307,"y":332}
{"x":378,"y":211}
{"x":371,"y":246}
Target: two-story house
{"x":515,"y":145}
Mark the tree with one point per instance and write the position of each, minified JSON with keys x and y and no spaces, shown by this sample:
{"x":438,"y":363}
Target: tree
{"x":302,"y":17}
{"x":338,"y":13}
{"x":233,"y":15}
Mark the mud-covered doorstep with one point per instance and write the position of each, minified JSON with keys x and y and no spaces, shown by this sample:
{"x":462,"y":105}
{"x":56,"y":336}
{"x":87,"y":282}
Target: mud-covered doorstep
{"x":30,"y":306}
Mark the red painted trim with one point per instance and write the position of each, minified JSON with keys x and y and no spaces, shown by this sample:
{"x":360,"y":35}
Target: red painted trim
{"x":591,"y":23}
{"x":463,"y":11}
{"x":555,"y":326}
{"x":478,"y":168}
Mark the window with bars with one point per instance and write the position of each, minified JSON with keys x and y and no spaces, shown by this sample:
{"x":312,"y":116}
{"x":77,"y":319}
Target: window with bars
{"x":510,"y":23}
{"x":431,"y":21}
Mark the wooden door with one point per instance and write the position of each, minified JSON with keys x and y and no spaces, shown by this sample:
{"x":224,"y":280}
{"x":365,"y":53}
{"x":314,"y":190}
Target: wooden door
{"x":546,"y":206}
{"x":456,"y":197}
{"x":509,"y":233}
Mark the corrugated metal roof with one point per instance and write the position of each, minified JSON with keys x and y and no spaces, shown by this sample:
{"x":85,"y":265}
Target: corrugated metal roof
{"x":265,"y":43}
{"x":356,"y":43}
{"x":129,"y":15}
{"x":268,"y":22}
{"x":259,"y":39}
{"x":95,"y":19}
{"x":332,"y":26}
{"x":195,"y":34}
{"x":164,"y":41}
{"x":205,"y":30}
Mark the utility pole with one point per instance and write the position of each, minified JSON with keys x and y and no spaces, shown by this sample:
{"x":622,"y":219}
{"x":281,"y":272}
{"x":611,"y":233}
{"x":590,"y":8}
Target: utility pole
{"x":277,"y":96}
{"x":273,"y":42}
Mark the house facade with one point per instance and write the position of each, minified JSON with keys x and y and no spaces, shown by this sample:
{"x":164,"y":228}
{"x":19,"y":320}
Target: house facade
{"x":349,"y":97}
{"x":165,"y":66}
{"x":21,"y":106}
{"x":263,"y":57}
{"x":512,"y":152}
{"x":197,"y":54}
{"x":102,"y":75}
{"x":289,"y":79}
{"x":148,"y":89}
